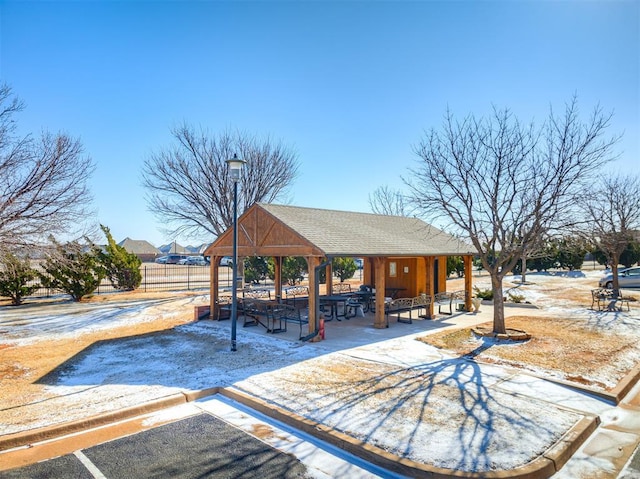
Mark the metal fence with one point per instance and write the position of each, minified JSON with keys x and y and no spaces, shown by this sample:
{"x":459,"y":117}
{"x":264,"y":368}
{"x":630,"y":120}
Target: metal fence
{"x":163,"y":277}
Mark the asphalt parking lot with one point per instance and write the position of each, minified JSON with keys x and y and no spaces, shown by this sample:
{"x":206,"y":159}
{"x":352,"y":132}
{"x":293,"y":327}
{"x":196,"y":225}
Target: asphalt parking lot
{"x":197,"y":447}
{"x":213,"y":437}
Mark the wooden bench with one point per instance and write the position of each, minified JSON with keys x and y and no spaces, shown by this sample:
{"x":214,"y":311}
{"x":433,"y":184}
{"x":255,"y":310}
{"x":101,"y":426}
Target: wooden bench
{"x":422,"y":302}
{"x":600,"y":297}
{"x":223,"y":308}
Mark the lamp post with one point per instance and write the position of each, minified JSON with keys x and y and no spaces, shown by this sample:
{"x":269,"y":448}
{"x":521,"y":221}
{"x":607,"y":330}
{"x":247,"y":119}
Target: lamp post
{"x":235,"y":165}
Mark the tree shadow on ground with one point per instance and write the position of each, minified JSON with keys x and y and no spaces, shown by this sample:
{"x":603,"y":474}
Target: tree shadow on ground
{"x":449,"y":405}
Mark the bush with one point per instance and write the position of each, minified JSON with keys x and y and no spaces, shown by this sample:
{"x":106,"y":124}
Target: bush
{"x":121,"y":267}
{"x":73,"y":268}
{"x":483,"y":293}
{"x":15,"y":274}
{"x":571,"y":253}
{"x":515,"y":297}
{"x":629,"y":257}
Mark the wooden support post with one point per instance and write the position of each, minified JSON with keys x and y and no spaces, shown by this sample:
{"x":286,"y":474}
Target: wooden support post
{"x":214,"y":270}
{"x":468,"y":272}
{"x":429,"y":287}
{"x":379,"y":264}
{"x":312,"y":262}
{"x":442,"y":274}
{"x":278,"y":276}
{"x":421,"y":275}
{"x":367,"y":271}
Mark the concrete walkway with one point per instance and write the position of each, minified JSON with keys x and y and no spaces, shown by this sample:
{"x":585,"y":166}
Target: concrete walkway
{"x":612,"y":451}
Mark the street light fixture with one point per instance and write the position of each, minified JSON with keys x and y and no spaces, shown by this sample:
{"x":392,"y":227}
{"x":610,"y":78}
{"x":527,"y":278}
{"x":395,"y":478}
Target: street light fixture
{"x":235,"y":165}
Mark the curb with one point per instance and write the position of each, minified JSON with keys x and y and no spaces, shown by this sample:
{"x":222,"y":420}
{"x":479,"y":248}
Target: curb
{"x":542,"y":467}
{"x":567,"y":446}
{"x":19,"y":439}
{"x":626,"y":384}
{"x":615,"y":396}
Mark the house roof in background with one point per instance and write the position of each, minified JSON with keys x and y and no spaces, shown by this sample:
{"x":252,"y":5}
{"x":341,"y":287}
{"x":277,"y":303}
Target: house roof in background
{"x":138,"y":246}
{"x":174,"y":247}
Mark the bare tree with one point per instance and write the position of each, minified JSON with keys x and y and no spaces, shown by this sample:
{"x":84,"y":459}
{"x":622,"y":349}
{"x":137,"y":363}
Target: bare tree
{"x":505,"y":185}
{"x":189,"y":186}
{"x":385,"y":201}
{"x":42,"y":181}
{"x":613,"y":216}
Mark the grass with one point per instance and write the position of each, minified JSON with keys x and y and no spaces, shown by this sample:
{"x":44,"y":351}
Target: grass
{"x":566,"y":348}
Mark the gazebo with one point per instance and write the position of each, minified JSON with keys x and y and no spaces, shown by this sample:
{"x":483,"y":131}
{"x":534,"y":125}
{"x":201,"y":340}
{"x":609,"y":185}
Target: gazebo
{"x":398,"y":252}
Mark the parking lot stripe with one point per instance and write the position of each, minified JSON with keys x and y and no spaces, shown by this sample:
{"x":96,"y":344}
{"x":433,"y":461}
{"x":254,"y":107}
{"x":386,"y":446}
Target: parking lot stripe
{"x":91,"y":467}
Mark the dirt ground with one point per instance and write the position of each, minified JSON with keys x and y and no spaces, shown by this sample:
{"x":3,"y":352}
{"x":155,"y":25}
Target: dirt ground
{"x":556,"y":344}
{"x":21,"y":366}
{"x":576,"y":350}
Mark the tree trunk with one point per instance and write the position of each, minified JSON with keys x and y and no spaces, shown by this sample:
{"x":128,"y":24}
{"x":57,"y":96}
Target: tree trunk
{"x":614,"y":272}
{"x":499,"y":325}
{"x":524,"y":270}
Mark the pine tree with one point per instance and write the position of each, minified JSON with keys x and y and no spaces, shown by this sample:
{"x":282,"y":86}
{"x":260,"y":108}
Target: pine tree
{"x":121,"y":267}
{"x":15,"y":276}
{"x":73,"y":268}
{"x":343,"y":268}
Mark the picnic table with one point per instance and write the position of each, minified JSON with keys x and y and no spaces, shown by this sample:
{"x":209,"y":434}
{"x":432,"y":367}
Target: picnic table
{"x":333,"y":301}
{"x":264,"y":313}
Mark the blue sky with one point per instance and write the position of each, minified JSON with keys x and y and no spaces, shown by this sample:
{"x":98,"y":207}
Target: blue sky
{"x":351,"y":86}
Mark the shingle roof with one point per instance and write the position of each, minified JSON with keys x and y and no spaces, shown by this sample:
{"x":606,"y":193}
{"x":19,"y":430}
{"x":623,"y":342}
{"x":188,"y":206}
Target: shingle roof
{"x":345,"y":233}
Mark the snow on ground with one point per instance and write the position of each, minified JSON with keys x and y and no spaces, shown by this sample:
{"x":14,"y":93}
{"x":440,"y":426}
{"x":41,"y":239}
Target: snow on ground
{"x":438,"y":410}
{"x":566,"y":294}
{"x":44,"y":319}
{"x":537,"y":286}
{"x":422,"y":405}
{"x":401,"y":395}
{"x":115,"y":374}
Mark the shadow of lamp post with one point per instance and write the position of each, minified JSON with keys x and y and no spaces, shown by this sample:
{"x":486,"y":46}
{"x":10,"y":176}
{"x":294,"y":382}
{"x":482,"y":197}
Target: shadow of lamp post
{"x":235,"y":165}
